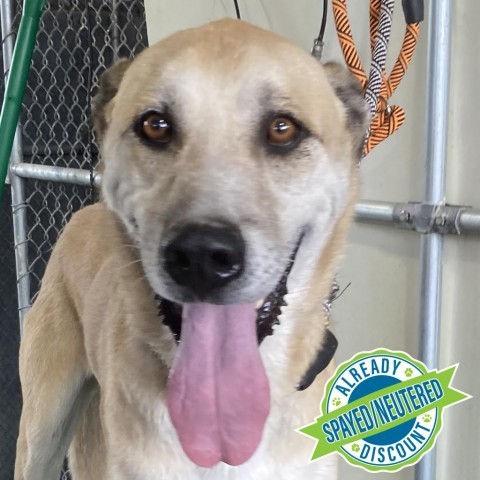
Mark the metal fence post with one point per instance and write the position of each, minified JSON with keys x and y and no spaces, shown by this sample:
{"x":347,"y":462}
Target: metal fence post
{"x":17,"y":82}
{"x":439,"y":56}
{"x":19,"y":207}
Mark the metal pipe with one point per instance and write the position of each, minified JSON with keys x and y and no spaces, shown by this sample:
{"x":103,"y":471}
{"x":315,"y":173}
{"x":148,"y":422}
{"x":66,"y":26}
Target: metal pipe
{"x":16,"y":83}
{"x":116,"y":31}
{"x":74,"y":176}
{"x":469,"y":221}
{"x":19,"y":207}
{"x":366,"y":211}
{"x":370,"y":211}
{"x":431,"y":246}
{"x":436,"y":152}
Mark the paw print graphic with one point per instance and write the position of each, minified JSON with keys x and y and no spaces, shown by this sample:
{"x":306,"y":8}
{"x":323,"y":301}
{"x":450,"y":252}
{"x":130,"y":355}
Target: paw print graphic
{"x":408,"y":372}
{"x":356,"y":447}
{"x":336,"y":402}
{"x":427,"y":418}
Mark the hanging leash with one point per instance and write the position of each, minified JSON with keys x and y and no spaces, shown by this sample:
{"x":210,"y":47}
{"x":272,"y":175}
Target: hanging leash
{"x":378,"y":88}
{"x":237,"y":9}
{"x":318,"y":43}
{"x":379,"y":47}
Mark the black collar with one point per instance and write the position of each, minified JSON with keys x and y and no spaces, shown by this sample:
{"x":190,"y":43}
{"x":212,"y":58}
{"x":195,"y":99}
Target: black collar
{"x":322,"y":360}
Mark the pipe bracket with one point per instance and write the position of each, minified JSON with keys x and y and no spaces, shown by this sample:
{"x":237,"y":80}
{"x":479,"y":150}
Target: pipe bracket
{"x":426,"y":218}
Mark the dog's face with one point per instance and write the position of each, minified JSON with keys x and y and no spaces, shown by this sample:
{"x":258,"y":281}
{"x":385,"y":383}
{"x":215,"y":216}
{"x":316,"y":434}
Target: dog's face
{"x":232,"y":137}
{"x":225,"y":147}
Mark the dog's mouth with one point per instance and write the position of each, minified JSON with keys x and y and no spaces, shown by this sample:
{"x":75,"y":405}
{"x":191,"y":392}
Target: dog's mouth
{"x":268,"y":308}
{"x":218,"y":391}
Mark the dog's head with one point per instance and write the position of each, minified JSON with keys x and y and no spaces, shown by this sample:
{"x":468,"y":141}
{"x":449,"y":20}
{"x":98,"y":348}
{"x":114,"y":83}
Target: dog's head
{"x":223,"y":148}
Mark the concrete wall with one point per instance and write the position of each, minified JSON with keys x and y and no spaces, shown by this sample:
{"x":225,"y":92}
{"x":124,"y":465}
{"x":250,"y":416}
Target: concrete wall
{"x":380,"y":309}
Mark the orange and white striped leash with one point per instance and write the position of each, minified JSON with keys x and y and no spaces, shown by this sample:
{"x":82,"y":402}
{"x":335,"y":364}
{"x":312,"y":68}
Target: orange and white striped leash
{"x":378,"y":88}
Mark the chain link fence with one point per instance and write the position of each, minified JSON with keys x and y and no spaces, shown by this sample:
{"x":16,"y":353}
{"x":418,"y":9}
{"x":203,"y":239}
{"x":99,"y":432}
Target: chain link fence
{"x":77,"y":40}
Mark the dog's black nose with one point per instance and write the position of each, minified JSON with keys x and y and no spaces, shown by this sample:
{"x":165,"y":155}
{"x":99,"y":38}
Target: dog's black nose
{"x":203,"y":258}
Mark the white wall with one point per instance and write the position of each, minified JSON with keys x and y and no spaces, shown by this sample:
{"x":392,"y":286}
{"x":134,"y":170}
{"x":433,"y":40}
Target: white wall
{"x":380,"y":308}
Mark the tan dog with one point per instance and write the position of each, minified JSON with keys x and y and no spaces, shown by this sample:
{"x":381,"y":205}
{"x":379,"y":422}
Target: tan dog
{"x":226,"y":151}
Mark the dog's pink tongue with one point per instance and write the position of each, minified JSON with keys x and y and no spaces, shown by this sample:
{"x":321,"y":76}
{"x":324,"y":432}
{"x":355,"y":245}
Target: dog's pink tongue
{"x":218,"y":394}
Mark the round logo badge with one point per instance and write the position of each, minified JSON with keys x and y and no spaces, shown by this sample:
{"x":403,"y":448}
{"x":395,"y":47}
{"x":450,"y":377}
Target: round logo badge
{"x":382,"y":410}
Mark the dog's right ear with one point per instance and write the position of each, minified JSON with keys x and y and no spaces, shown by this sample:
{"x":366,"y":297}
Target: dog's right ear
{"x":349,"y":91}
{"x":101,"y":102}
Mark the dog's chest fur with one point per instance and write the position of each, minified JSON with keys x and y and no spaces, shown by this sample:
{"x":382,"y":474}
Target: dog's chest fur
{"x":283,"y":453}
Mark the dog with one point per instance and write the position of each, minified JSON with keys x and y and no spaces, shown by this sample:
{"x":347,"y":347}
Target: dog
{"x":178,"y":315}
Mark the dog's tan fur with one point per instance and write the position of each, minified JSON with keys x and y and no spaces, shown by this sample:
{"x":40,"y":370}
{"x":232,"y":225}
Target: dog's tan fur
{"x":95,"y":356}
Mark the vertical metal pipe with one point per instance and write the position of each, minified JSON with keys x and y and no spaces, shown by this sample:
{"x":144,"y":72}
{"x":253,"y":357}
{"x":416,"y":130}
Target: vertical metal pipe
{"x":6,"y":16}
{"x":116,"y":31}
{"x":16,"y":82}
{"x":19,"y":207}
{"x":438,"y":80}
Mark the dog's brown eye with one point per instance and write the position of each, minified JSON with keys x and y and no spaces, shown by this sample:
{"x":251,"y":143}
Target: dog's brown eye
{"x":156,"y":127}
{"x":282,"y":132}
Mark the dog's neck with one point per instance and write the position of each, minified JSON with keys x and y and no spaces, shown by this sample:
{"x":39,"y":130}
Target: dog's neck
{"x":303,"y":334}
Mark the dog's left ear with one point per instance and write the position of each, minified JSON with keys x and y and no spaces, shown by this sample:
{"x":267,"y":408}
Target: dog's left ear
{"x":349,"y":91}
{"x":108,"y":88}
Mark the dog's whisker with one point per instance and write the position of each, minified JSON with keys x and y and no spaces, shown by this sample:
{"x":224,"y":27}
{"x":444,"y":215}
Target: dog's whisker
{"x":139,"y":279}
{"x":129,"y":264}
{"x":129,"y":245}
